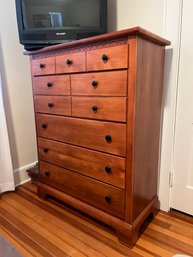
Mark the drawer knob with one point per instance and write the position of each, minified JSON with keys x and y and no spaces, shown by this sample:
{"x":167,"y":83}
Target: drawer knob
{"x":45,"y":149}
{"x":50,"y":105}
{"x":94,"y":83}
{"x":108,"y":199}
{"x":104,"y":58}
{"x":42,"y":65}
{"x":68,"y":62}
{"x":108,"y":169}
{"x":47,"y":173}
{"x":108,"y":138}
{"x":94,"y":108}
{"x":49,"y":85}
{"x":44,"y":125}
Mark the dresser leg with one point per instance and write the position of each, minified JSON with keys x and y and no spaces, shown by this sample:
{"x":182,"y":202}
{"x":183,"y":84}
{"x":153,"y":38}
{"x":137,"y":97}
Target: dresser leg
{"x":127,"y":238}
{"x":41,"y":193}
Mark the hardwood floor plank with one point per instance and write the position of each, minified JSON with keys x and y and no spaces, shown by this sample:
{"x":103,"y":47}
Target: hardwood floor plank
{"x":170,"y":241}
{"x":38,"y":228}
{"x":77,"y":222}
{"x":23,"y":248}
{"x":50,"y":221}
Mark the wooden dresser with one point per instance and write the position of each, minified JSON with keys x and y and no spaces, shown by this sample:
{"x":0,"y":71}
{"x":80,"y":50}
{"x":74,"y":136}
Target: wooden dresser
{"x":98,"y":106}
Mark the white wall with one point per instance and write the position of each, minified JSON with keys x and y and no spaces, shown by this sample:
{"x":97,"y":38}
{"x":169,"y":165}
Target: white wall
{"x":15,"y":70}
{"x":123,"y":14}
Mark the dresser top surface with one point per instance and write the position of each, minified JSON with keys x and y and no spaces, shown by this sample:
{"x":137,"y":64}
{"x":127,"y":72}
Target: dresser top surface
{"x":127,"y":33}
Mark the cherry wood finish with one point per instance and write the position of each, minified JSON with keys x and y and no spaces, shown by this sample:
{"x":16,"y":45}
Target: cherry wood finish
{"x":112,"y":83}
{"x":70,"y":63}
{"x":93,"y":133}
{"x":59,"y":105}
{"x":44,"y":66}
{"x":105,"y":197}
{"x":110,"y":108}
{"x":51,"y":85}
{"x":116,"y":58}
{"x":106,"y":167}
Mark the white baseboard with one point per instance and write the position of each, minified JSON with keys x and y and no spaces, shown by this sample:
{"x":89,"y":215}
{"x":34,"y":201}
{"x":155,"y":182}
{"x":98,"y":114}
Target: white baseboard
{"x":20,"y":174}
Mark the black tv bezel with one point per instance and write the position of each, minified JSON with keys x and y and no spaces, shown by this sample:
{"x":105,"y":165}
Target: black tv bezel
{"x":29,"y":37}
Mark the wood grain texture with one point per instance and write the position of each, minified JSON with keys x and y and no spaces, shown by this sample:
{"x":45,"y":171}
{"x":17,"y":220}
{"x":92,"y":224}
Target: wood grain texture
{"x":71,"y":183}
{"x":117,"y":58}
{"x":92,"y":133}
{"x":78,"y":63}
{"x":148,"y":100}
{"x":88,"y":162}
{"x":43,"y":228}
{"x":99,"y":108}
{"x":112,"y":83}
{"x":48,"y":66}
{"x":51,"y":85}
{"x":59,"y":105}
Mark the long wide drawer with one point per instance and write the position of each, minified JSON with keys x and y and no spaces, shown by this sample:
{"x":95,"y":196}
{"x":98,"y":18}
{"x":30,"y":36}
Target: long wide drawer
{"x":51,"y":85}
{"x":111,"y":83}
{"x":108,"y":108}
{"x":104,"y":136}
{"x":104,"y":167}
{"x":98,"y":194}
{"x":60,"y":105}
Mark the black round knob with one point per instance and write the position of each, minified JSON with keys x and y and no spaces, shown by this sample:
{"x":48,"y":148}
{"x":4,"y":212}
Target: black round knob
{"x":45,"y":150}
{"x":47,"y":173}
{"x":108,"y":169}
{"x":50,"y":105}
{"x":49,"y":84}
{"x":108,"y":138}
{"x":94,"y":83}
{"x":42,"y":65}
{"x":68,"y":62}
{"x":108,"y":199}
{"x":94,"y":108}
{"x":44,"y":125}
{"x":104,"y":58}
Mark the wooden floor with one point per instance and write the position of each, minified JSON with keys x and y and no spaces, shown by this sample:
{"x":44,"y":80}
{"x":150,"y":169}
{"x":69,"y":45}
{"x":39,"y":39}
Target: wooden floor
{"x":47,"y":228}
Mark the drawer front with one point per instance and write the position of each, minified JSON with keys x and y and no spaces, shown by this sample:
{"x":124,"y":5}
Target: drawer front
{"x":113,"y":83}
{"x":115,"y":57}
{"x":104,"y":136}
{"x":51,"y":85}
{"x":60,"y":105}
{"x":108,"y":108}
{"x":70,"y":63}
{"x":104,"y":167}
{"x":98,"y":194}
{"x":43,"y":66}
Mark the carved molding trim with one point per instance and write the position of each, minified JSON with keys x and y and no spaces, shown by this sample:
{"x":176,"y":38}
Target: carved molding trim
{"x":83,"y":48}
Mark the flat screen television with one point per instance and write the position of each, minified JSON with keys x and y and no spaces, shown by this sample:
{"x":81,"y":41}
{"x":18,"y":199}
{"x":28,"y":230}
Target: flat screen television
{"x":48,"y":22}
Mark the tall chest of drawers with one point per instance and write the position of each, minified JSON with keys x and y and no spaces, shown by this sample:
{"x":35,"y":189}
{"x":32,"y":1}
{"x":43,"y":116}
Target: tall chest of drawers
{"x":98,"y":106}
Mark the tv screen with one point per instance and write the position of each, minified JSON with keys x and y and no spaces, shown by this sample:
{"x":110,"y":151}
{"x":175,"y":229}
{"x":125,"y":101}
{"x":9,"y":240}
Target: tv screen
{"x":48,"y":22}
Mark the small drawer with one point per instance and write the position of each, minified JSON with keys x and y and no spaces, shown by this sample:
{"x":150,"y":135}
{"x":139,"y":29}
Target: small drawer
{"x":104,"y":167}
{"x":112,"y":83}
{"x":115,"y":57}
{"x":51,"y":85}
{"x":68,"y":63}
{"x":104,"y":136}
{"x":98,"y":194}
{"x":108,"y":108}
{"x":43,"y":66}
{"x":60,"y":105}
